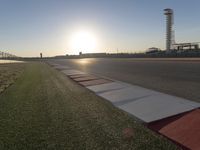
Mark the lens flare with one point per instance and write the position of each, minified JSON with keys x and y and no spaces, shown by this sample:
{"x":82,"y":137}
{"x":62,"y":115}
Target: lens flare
{"x":83,"y":41}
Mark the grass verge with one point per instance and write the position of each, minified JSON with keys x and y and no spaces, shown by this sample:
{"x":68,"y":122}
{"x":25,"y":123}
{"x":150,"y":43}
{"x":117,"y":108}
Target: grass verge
{"x":45,"y":110}
{"x":8,"y":74}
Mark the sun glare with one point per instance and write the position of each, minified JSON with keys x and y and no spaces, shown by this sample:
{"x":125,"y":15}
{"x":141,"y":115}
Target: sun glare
{"x":84,"y":42}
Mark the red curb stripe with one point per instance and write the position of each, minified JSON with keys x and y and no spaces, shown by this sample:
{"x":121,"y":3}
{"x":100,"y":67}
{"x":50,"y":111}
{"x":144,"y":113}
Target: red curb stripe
{"x":85,"y":79}
{"x":183,"y":129}
{"x":79,"y":76}
{"x":95,"y":82}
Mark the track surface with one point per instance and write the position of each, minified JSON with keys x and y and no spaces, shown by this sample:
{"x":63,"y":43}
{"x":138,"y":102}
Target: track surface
{"x":176,"y":77}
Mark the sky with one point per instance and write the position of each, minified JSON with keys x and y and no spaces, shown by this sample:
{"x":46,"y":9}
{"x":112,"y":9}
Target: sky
{"x":54,"y":27}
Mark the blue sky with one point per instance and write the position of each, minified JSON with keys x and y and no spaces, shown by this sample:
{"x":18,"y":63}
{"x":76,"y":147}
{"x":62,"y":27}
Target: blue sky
{"x":28,"y":27}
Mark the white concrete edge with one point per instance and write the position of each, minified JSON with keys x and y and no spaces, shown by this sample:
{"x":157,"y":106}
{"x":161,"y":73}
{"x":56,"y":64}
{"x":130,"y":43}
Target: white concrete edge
{"x":129,"y":85}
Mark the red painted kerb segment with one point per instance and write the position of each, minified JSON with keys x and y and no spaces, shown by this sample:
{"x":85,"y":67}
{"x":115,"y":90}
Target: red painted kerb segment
{"x":85,"y":79}
{"x":80,"y":76}
{"x":184,"y":130}
{"x":94,"y":82}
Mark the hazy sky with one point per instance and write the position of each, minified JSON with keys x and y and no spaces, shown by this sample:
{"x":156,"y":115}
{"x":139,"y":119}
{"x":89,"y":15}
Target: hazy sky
{"x":28,"y":27}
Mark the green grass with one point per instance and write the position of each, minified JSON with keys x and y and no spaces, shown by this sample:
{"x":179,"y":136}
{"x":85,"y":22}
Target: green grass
{"x":8,"y":74}
{"x":46,"y":110}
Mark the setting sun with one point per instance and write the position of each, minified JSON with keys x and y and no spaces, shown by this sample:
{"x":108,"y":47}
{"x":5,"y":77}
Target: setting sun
{"x":83,"y":41}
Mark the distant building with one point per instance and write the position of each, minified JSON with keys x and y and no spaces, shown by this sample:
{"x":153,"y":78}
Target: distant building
{"x":40,"y":55}
{"x":94,"y":55}
{"x":189,"y":46}
{"x":152,"y":50}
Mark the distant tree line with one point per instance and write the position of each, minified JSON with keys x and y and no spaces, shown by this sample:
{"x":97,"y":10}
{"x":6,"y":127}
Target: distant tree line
{"x":6,"y":55}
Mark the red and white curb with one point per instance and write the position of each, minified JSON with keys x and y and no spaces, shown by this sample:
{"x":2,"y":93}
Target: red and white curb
{"x":174,"y":117}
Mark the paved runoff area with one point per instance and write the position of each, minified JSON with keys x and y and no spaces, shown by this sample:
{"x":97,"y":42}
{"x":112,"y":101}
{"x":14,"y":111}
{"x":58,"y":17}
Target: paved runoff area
{"x":174,"y":117}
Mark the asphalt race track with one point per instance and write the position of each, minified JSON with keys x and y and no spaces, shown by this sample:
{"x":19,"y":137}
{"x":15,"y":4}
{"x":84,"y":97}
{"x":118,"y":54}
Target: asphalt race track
{"x":176,"y":77}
